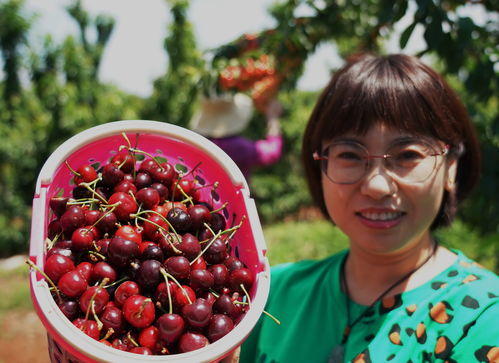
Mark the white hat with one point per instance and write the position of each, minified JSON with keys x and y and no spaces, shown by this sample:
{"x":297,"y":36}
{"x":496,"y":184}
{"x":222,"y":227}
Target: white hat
{"x":222,"y":116}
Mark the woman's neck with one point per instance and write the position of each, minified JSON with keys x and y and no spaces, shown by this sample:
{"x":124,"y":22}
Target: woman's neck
{"x":368,"y":276}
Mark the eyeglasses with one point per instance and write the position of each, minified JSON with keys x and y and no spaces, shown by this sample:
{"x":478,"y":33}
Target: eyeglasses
{"x":347,"y":162}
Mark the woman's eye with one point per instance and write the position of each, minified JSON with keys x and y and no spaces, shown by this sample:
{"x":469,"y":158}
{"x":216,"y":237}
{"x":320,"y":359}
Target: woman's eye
{"x":349,"y":155}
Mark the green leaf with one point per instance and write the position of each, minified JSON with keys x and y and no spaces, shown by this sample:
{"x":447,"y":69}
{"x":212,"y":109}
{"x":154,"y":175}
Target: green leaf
{"x":406,"y":34}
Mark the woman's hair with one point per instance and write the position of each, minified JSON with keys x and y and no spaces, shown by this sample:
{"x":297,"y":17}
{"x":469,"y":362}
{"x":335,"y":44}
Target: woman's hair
{"x":405,"y":94}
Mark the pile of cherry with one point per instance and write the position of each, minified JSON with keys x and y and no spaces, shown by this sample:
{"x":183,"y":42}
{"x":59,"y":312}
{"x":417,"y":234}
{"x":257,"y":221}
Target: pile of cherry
{"x":138,"y":262}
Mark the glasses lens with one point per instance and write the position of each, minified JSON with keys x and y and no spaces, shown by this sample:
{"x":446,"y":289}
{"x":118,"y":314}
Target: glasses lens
{"x":413,"y":162}
{"x":345,"y":162}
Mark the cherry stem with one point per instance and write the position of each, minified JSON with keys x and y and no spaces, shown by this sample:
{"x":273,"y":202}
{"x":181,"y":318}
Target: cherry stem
{"x":249,"y":305}
{"x":129,"y":336}
{"x":88,"y":186}
{"x":207,"y":246}
{"x":138,"y":151}
{"x":219,"y":208}
{"x":71,"y":169}
{"x":48,"y":279}
{"x":170,"y":305}
{"x":104,"y":281}
{"x":109,"y":332}
{"x":163,"y":271}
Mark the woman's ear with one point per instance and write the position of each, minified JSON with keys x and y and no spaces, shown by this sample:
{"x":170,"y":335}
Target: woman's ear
{"x":450,"y":181}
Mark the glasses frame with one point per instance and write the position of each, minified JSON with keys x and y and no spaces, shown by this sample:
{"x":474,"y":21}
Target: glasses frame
{"x":367,"y":160}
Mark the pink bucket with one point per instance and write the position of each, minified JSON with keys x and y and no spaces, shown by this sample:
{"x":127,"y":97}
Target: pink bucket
{"x":180,"y":147}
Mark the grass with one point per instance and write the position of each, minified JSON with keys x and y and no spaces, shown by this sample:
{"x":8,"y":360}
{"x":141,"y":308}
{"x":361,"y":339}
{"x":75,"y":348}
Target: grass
{"x":14,"y":290}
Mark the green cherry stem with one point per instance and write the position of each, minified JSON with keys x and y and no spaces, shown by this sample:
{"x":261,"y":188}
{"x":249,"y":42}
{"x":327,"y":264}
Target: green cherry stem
{"x":48,"y":279}
{"x":163,"y":271}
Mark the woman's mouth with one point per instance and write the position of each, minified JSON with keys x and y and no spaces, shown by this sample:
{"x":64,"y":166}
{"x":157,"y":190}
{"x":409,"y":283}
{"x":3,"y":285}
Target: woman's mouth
{"x":380,"y":219}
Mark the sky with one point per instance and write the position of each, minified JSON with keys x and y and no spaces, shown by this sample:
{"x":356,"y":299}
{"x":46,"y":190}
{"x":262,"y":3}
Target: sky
{"x":133,"y":64}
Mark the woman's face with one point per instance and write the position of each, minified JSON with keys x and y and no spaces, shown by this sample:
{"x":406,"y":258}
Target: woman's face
{"x":380,"y":213}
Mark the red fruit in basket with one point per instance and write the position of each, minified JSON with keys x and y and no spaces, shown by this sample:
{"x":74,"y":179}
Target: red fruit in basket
{"x":95,"y":295}
{"x":112,"y":318}
{"x":92,"y":216}
{"x":148,"y":275}
{"x":149,"y":337}
{"x":61,"y":251}
{"x":161,"y":294}
{"x":87,"y":326}
{"x":201,"y":280}
{"x":103,"y":270}
{"x":165,"y":174}
{"x":198,"y":264}
{"x":107,"y":223}
{"x":148,"y":165}
{"x":200,"y":214}
{"x":241,"y":276}
{"x":184,"y":295}
{"x":124,"y":291}
{"x":125,"y":205}
{"x":121,"y":251}
{"x":85,"y":270}
{"x":142,"y":180}
{"x":54,"y":229}
{"x":197,"y":314}
{"x":70,"y":309}
{"x":124,"y":161}
{"x":129,"y":233}
{"x":225,"y":305}
{"x":170,"y":327}
{"x":125,"y":186}
{"x":179,"y":219}
{"x":82,"y":239}
{"x":112,"y":175}
{"x":57,"y":265}
{"x":58,"y":205}
{"x":162,"y":190}
{"x":148,"y":197}
{"x":151,"y":251}
{"x":189,"y":246}
{"x":220,"y":325}
{"x":85,"y":174}
{"x":155,"y":226}
{"x":208,"y":296}
{"x":220,"y":274}
{"x":183,"y":188}
{"x":178,"y":266}
{"x":233,"y":263}
{"x":217,"y":222}
{"x":141,"y":350}
{"x":102,"y":245}
{"x":139,"y":311}
{"x":72,"y":218}
{"x":216,"y":252}
{"x":72,"y":284}
{"x":192,"y":341}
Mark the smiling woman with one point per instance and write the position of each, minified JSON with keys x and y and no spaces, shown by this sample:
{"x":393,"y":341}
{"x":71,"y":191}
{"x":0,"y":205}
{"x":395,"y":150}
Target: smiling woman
{"x":389,"y":152}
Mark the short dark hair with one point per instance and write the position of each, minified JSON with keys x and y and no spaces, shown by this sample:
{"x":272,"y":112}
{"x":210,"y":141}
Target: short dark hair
{"x":405,"y":94}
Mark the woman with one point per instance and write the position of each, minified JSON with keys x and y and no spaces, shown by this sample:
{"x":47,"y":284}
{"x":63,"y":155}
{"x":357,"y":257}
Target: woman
{"x":389,"y":152}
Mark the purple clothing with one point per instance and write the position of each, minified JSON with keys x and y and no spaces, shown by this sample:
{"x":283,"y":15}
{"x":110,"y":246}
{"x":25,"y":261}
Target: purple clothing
{"x":247,"y":153}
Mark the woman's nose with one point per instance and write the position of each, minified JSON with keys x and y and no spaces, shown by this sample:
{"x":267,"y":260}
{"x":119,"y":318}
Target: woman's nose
{"x":378,"y":183}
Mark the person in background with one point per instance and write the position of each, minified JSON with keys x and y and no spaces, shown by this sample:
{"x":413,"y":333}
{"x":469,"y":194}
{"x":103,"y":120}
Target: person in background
{"x":389,"y":152}
{"x":222,"y":119}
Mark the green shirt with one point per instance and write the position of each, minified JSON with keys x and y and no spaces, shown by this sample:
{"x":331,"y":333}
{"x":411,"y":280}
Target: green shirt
{"x":452,"y":318}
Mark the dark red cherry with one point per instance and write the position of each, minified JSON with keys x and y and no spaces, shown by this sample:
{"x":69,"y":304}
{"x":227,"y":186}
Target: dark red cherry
{"x":170,"y":327}
{"x":57,"y":265}
{"x":178,"y":266}
{"x":112,"y":174}
{"x":148,"y":197}
{"x":192,"y":341}
{"x":220,"y":325}
{"x":197,"y":314}
{"x":72,"y":218}
{"x":241,"y":276}
{"x":139,"y":311}
{"x":58,"y":205}
{"x":72,"y":284}
{"x":87,"y":326}
{"x":124,"y":291}
{"x":112,"y":317}
{"x":96,"y":295}
{"x":190,"y":246}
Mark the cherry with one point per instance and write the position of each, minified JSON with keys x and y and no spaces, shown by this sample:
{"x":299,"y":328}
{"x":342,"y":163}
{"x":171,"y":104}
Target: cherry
{"x":178,"y":266}
{"x":85,"y":174}
{"x":164,"y":174}
{"x":233,"y":263}
{"x":200,"y":214}
{"x":72,"y":218}
{"x":82,"y":239}
{"x":98,"y":295}
{"x":139,"y":311}
{"x":121,"y":251}
{"x":124,"y":291}
{"x":199,"y":264}
{"x":170,"y":327}
{"x":225,"y":305}
{"x":108,"y":222}
{"x":102,"y":270}
{"x":179,"y":219}
{"x":217,"y":222}
{"x":181,"y":187}
{"x":241,"y":276}
{"x":60,"y":251}
{"x":148,"y":197}
{"x":112,"y":318}
{"x":87,"y":326}
{"x":189,"y":246}
{"x":151,"y":229}
{"x":220,"y":325}
{"x":148,"y":165}
{"x":125,"y":186}
{"x":125,"y":205}
{"x":102,"y":245}
{"x":149,"y":337}
{"x":57,"y":265}
{"x":148,"y":275}
{"x":220,"y":274}
{"x":92,"y":216}
{"x":69,"y":308}
{"x":54,"y":229}
{"x":112,"y":174}
{"x":161,"y":294}
{"x":201,"y":280}
{"x":85,"y":270}
{"x":216,"y":252}
{"x":197,"y":314}
{"x":142,"y":180}
{"x":184,"y":295}
{"x":58,"y":205}
{"x":72,"y":284}
{"x":129,"y":233}
{"x":192,"y":341}
{"x":162,"y":190}
{"x":151,"y":251}
{"x":141,"y":350}
{"x":124,"y":161}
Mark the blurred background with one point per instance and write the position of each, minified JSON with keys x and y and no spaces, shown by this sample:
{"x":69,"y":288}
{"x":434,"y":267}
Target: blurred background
{"x":69,"y":65}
